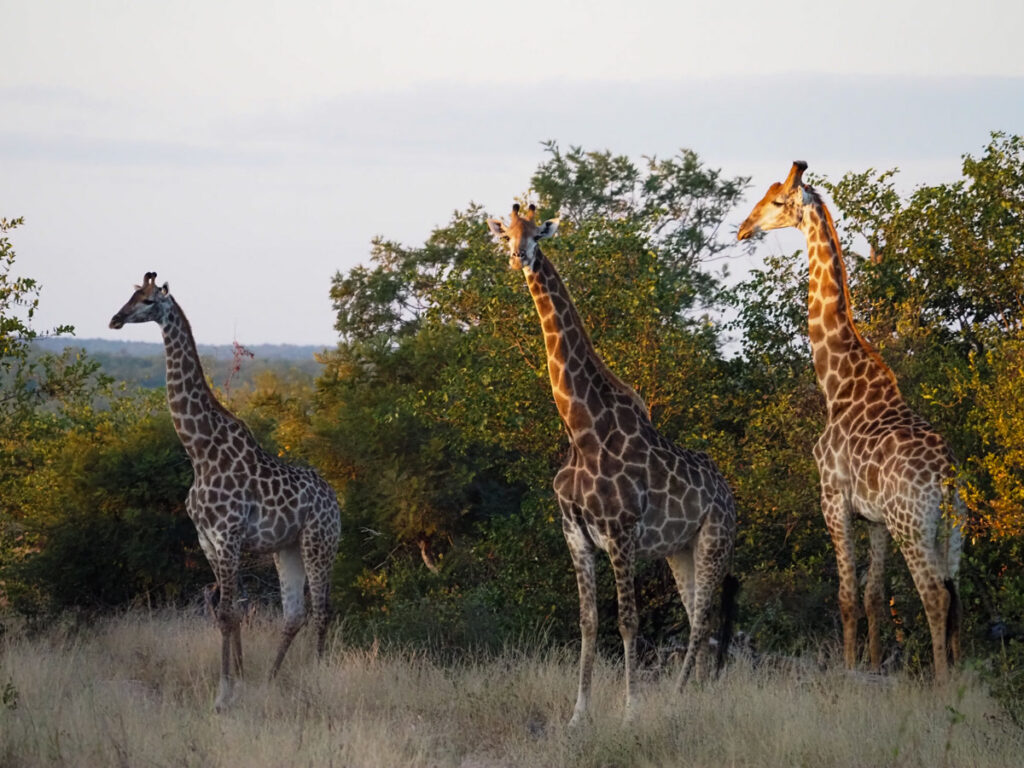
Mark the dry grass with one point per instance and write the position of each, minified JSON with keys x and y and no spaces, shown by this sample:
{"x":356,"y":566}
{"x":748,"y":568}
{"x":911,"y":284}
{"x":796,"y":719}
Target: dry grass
{"x":138,"y":691}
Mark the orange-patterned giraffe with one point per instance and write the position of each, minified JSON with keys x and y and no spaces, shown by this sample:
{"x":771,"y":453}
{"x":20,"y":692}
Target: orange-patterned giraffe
{"x":876,"y":458}
{"x":624,"y":488}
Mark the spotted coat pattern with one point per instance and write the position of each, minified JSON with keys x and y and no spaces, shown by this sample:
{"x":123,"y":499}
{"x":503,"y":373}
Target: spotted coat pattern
{"x":624,"y":488}
{"x":242,"y":499}
{"x":877,"y":459}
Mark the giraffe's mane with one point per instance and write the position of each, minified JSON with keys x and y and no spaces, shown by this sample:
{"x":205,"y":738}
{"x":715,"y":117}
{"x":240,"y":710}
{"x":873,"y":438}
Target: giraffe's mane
{"x":866,"y":345}
{"x":614,"y":379}
{"x":217,"y":404}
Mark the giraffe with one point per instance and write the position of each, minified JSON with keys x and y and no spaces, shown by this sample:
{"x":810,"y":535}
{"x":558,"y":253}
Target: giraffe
{"x":624,"y":488}
{"x":242,"y":498}
{"x":876,"y":458}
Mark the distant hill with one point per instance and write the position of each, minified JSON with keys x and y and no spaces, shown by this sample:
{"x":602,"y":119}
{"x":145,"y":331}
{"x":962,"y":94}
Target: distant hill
{"x":114,"y":347}
{"x":142,"y":362}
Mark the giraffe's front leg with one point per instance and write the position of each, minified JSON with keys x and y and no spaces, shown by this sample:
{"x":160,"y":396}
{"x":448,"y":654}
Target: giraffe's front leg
{"x":582,"y":551}
{"x":833,"y":508}
{"x":230,"y":629}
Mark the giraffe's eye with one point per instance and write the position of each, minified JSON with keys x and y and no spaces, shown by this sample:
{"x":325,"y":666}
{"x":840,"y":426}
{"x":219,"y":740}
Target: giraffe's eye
{"x":149,"y":301}
{"x":779,"y":203}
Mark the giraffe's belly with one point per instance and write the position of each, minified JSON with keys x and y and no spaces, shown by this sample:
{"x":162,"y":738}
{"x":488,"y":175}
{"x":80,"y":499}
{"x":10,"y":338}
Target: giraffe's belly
{"x":666,"y":536}
{"x":864,"y":489}
{"x":269,"y":531}
{"x":868,"y":506}
{"x":650,"y":541}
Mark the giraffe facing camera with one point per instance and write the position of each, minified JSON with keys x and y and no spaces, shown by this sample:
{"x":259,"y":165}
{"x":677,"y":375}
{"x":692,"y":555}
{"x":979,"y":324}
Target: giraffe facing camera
{"x":624,"y":488}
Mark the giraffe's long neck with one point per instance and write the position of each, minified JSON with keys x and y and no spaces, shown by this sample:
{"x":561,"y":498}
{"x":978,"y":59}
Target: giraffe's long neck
{"x":194,"y":408}
{"x":848,"y":368}
{"x":578,"y":375}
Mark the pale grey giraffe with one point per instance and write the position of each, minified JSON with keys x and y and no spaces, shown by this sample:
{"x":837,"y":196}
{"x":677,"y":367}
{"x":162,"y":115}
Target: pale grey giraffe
{"x":242,"y":499}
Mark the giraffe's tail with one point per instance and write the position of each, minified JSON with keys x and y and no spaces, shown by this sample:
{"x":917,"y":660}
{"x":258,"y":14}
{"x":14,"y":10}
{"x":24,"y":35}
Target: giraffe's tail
{"x":727,"y":617}
{"x":955,"y":517}
{"x":953,"y":616}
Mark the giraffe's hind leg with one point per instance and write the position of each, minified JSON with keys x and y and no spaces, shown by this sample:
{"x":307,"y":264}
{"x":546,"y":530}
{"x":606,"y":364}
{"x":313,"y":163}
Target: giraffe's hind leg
{"x":318,"y":552}
{"x":292,"y":575}
{"x":681,"y":564}
{"x":682,"y":567}
{"x":874,"y":592}
{"x":708,"y":566}
{"x":951,"y":545}
{"x":931,"y":585}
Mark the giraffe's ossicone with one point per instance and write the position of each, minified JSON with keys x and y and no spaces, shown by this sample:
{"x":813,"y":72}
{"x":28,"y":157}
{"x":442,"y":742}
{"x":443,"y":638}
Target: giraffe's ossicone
{"x":877,"y":459}
{"x":242,"y":499}
{"x":624,"y":488}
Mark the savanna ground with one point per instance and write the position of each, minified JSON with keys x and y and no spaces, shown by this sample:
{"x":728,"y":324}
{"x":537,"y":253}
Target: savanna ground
{"x":138,"y":690}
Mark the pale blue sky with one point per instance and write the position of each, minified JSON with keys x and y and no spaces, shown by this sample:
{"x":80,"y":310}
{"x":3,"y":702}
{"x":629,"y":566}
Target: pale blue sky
{"x":248,"y":150}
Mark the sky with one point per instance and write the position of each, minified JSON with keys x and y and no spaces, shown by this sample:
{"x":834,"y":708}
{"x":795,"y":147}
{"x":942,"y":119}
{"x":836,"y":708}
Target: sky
{"x":248,"y":151}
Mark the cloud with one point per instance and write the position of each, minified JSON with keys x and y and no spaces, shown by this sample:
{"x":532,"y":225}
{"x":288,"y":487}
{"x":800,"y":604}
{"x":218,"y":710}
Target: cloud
{"x":828,"y":117}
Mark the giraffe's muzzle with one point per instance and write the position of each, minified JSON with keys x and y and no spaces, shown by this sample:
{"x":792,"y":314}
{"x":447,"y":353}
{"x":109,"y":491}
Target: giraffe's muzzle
{"x":746,"y":231}
{"x":117,"y":321}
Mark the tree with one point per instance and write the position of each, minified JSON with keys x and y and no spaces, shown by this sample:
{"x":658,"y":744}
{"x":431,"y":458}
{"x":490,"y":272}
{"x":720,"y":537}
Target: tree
{"x":41,"y":397}
{"x":29,"y":379}
{"x":103,"y":520}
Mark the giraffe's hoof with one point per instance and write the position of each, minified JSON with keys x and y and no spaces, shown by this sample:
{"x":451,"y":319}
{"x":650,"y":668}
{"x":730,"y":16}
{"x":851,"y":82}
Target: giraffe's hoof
{"x":578,"y":719}
{"x":629,"y":714}
{"x":226,"y":695}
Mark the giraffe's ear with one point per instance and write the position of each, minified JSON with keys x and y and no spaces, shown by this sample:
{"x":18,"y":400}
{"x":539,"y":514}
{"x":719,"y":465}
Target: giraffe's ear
{"x":497,"y":227}
{"x":165,"y":289}
{"x":547,"y":229}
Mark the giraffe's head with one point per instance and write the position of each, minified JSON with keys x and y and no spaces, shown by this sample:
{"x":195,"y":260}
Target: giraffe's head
{"x":521,"y":236}
{"x":782,"y":206}
{"x":149,"y":302}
